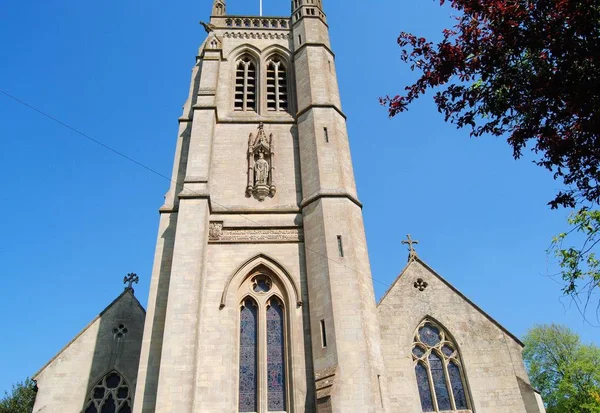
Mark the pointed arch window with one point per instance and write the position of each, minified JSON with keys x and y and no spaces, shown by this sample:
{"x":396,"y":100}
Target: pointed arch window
{"x":111,"y":395}
{"x":277,"y":85}
{"x":245,"y":84}
{"x":440,"y":375}
{"x":263,"y":378}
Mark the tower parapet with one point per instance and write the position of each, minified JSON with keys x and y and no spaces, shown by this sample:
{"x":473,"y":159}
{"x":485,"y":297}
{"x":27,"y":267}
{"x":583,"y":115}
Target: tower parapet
{"x":307,"y":9}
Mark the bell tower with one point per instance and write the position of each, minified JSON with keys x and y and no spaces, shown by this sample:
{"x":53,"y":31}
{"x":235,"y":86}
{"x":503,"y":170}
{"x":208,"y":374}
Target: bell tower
{"x":261,"y":297}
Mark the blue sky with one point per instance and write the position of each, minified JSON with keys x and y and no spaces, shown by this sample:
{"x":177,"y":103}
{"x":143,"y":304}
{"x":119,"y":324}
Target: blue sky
{"x":77,"y":218}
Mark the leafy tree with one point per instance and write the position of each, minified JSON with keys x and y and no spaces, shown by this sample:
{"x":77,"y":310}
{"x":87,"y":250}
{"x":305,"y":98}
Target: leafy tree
{"x":564,"y":370}
{"x":527,"y":70}
{"x":21,"y":399}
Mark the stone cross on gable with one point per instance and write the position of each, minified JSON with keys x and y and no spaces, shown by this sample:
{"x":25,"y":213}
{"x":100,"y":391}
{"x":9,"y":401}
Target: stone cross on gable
{"x":131,"y":279}
{"x":412,"y":254}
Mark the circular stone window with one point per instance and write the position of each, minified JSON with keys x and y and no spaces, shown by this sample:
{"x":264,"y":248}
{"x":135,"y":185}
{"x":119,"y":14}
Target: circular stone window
{"x":261,"y":284}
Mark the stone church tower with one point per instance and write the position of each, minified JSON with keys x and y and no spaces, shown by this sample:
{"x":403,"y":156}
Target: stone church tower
{"x":261,"y":296}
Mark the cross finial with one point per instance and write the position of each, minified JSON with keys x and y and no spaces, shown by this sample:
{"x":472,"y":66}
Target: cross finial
{"x":131,"y":279}
{"x":412,"y":253}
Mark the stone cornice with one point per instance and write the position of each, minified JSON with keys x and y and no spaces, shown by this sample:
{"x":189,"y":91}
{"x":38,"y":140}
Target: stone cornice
{"x":306,"y":45}
{"x":321,"y":106}
{"x":329,"y":193}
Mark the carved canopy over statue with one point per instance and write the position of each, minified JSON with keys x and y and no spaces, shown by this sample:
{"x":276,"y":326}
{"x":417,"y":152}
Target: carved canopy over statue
{"x":261,"y":154}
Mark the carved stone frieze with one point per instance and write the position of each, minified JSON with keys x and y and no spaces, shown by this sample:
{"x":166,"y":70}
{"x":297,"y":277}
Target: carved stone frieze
{"x":255,"y":35}
{"x":219,"y":234}
{"x":215,"y":230}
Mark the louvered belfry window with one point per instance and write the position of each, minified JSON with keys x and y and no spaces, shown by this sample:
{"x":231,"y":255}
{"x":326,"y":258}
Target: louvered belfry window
{"x":245,"y":85}
{"x":277,"y":93}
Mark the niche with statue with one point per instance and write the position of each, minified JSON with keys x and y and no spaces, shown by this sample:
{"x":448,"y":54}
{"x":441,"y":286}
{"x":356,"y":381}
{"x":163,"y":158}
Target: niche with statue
{"x":261,"y":156}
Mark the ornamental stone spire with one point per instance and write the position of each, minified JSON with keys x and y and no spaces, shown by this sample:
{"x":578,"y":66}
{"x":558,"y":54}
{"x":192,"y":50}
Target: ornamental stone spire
{"x":219,"y":8}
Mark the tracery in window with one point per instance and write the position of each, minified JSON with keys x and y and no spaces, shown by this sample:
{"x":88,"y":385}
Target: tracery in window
{"x":110,"y":395}
{"x":263,"y":346}
{"x":245,"y":84}
{"x":277,"y":91}
{"x":440,"y":376}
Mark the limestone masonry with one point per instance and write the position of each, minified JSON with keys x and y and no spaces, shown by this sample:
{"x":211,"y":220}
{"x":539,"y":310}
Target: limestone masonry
{"x":261,"y":297}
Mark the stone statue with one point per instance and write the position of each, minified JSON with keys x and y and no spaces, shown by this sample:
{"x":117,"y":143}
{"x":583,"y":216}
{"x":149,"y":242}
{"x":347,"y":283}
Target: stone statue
{"x":261,"y":169}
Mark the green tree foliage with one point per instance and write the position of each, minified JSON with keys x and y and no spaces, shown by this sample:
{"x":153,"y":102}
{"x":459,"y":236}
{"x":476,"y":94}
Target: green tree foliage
{"x":580,"y":264}
{"x":21,"y":399}
{"x":564,"y":370}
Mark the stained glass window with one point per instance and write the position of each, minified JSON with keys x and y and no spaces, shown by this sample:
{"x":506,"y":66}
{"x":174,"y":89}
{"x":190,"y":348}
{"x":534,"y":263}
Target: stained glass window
{"x":424,"y":388}
{"x":275,"y":357}
{"x":439,"y":382}
{"x":418,"y":351}
{"x":429,"y":335}
{"x":110,"y":395}
{"x":457,"y":385}
{"x":263,"y":345}
{"x":262,"y":284}
{"x":438,"y":370}
{"x":248,"y":357}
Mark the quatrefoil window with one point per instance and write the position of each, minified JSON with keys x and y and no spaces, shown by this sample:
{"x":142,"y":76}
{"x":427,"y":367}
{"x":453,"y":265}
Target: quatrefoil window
{"x":120,"y":331}
{"x":421,"y":285}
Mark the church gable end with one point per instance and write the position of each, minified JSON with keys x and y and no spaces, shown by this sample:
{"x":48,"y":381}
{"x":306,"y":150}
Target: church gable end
{"x":488,"y":357}
{"x":108,"y":347}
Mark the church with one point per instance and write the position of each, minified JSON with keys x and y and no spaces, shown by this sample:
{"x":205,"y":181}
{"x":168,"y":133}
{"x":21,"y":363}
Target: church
{"x":261,"y":298}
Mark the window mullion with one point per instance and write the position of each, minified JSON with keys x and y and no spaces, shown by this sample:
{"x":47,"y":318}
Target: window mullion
{"x":448,"y":382}
{"x":431,"y":384}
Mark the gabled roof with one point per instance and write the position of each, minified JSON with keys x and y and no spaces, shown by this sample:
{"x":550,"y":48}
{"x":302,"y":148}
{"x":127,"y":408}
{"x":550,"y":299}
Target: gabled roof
{"x":475,"y":306}
{"x":127,"y":291}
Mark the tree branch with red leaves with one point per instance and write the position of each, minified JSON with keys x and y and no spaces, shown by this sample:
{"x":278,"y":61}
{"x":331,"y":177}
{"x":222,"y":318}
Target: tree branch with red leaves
{"x":528,"y":71}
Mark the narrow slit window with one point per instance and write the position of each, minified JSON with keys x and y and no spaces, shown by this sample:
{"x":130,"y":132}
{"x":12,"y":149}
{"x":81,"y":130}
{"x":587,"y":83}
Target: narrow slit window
{"x":277,"y":86}
{"x":245,"y":85}
{"x":326,"y":133}
{"x":323,"y":334}
{"x":299,"y":39}
{"x":340,"y":246}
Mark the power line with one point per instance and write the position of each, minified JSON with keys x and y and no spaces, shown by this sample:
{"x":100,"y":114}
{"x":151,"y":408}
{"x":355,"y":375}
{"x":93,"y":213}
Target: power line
{"x":155,"y":172}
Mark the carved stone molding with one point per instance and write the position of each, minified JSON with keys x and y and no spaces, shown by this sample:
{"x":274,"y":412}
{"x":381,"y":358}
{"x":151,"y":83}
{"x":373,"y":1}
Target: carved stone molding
{"x":221,"y":235}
